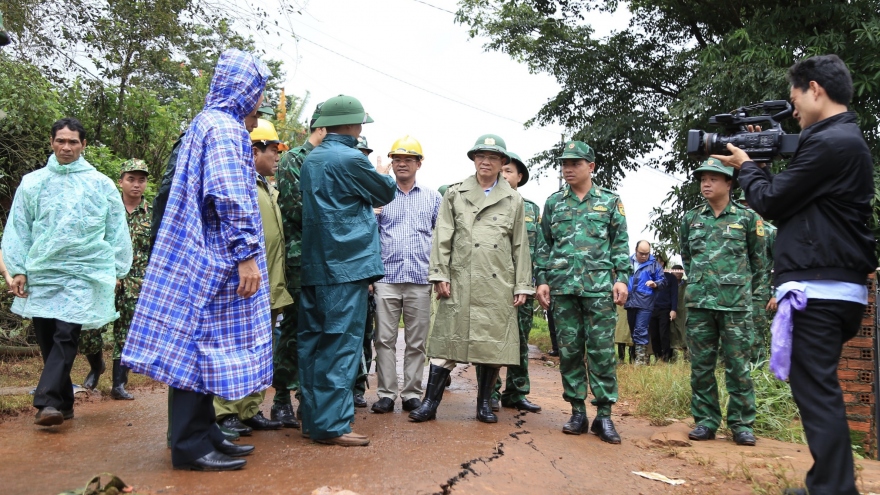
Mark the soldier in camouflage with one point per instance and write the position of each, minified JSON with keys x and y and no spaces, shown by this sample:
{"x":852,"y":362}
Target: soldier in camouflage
{"x":285,"y":361}
{"x":763,"y":300}
{"x":517,"y":381}
{"x":722,"y":247}
{"x":582,"y":240}
{"x":133,"y":182}
{"x":360,"y":383}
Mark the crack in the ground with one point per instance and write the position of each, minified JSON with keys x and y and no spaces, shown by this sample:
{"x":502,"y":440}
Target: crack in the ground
{"x":446,"y":488}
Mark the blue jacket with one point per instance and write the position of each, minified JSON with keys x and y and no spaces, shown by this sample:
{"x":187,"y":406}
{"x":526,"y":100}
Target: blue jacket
{"x":340,"y":240}
{"x":640,"y":295}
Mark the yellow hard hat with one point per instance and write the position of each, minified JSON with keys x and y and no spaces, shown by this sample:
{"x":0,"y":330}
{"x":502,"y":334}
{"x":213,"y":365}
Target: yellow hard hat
{"x":265,"y":133}
{"x":407,"y":145}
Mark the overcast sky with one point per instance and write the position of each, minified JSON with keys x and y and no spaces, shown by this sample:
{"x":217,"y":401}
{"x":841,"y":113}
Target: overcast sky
{"x":416,"y":61}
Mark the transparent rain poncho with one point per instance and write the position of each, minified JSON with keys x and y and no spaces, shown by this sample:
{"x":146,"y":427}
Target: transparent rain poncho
{"x":67,"y":232}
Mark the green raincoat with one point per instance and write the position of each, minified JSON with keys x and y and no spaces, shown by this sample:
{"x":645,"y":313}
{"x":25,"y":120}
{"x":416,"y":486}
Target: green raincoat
{"x":68,"y":233}
{"x":481,"y":247}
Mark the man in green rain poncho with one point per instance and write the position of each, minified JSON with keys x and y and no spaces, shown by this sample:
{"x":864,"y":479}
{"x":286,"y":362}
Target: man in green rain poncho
{"x":340,"y":258}
{"x":66,"y":245}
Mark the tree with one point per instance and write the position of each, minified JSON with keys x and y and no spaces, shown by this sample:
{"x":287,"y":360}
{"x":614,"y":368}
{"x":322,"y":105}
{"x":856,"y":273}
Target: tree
{"x":636,"y":92}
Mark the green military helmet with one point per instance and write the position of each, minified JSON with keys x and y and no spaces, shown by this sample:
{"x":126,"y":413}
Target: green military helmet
{"x":577,"y":150}
{"x":489,"y":142}
{"x":266,"y":110}
{"x":714,"y":165}
{"x":521,"y":167}
{"x":362,"y":144}
{"x":342,"y":110}
{"x":442,"y":189}
{"x":134,"y":165}
{"x":4,"y":36}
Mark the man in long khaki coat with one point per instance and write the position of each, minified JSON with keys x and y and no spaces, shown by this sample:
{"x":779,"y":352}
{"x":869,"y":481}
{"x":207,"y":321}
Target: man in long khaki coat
{"x":480,"y":247}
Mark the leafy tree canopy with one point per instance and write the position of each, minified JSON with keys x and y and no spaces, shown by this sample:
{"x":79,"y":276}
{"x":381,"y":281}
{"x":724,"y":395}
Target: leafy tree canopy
{"x":634,"y":94}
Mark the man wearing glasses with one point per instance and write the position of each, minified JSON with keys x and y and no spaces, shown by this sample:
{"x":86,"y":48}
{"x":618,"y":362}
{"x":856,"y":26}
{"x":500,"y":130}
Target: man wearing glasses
{"x":643,"y":285}
{"x":405,"y":228}
{"x":482,"y":272}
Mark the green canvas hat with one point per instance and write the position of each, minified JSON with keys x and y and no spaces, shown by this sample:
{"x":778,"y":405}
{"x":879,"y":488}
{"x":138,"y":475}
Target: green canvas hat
{"x":489,"y":142}
{"x":577,"y":150}
{"x":442,"y":189}
{"x":362,"y":144}
{"x":134,"y":165}
{"x":521,"y":167}
{"x":266,"y":109}
{"x":714,"y":165}
{"x":342,"y":110}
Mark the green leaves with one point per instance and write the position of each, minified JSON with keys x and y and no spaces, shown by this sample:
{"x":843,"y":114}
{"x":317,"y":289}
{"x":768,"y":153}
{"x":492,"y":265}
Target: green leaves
{"x":638,"y":91}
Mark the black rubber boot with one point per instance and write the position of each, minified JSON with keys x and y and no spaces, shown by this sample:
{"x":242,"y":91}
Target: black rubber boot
{"x":97,"y":368}
{"x":433,"y":395}
{"x":621,"y":353}
{"x":120,"y":379}
{"x":485,"y":387}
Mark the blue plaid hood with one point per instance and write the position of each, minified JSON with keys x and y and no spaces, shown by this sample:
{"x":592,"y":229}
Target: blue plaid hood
{"x":238,"y":82}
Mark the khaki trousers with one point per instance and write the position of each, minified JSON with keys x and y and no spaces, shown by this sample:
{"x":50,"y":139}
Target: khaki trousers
{"x":414,"y":302}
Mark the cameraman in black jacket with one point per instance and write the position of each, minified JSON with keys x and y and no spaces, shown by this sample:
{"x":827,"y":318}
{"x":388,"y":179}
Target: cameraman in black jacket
{"x":821,"y":203}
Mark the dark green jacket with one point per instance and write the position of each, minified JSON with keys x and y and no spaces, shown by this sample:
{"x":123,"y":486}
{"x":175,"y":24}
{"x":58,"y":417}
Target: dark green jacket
{"x":340,"y":236}
{"x":290,"y":203}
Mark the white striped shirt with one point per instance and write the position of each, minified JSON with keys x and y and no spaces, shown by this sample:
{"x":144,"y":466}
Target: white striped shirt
{"x":405,"y":230}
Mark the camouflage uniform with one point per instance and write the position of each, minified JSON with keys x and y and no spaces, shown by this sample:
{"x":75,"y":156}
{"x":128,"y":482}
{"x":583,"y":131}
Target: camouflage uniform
{"x":360,"y":383}
{"x":761,"y":322}
{"x":91,"y":341}
{"x":579,"y":244}
{"x":286,"y":363}
{"x":724,"y":259}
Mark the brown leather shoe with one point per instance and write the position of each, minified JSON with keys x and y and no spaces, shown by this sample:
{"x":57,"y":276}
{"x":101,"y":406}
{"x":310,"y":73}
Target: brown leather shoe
{"x":347,"y":440}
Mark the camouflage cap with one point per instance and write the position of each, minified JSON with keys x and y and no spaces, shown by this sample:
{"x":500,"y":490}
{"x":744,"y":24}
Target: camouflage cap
{"x":714,"y":165}
{"x":134,"y":165}
{"x":317,"y":112}
{"x":362,"y":144}
{"x":521,"y":167}
{"x":577,"y":150}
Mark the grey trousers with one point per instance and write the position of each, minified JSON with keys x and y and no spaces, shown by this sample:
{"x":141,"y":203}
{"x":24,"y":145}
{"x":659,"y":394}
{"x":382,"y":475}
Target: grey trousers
{"x":414,"y":302}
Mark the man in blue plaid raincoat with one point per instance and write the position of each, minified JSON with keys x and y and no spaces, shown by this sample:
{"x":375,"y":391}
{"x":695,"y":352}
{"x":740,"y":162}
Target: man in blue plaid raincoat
{"x":202,"y":323}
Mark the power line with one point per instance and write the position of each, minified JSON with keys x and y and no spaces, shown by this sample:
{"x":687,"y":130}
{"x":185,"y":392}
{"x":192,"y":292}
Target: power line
{"x":297,"y":36}
{"x":434,"y":6}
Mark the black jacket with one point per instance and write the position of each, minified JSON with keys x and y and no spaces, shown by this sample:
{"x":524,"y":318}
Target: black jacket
{"x":821,"y":203}
{"x":667,"y":297}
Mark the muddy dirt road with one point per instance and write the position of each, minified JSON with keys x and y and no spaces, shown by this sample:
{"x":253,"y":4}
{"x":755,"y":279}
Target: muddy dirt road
{"x":522,"y":454}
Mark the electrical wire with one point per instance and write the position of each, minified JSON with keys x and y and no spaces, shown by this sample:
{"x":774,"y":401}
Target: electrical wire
{"x":434,"y":6}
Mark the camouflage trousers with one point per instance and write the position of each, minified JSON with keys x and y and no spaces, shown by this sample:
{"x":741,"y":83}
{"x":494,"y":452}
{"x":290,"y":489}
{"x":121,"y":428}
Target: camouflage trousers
{"x":285,"y":358}
{"x":585,"y":325}
{"x":517,"y":379}
{"x":760,"y":330}
{"x":707,"y":330}
{"x":92,"y":341}
{"x":360,"y":383}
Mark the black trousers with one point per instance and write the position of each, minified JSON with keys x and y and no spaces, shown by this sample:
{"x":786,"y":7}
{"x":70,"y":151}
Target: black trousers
{"x":817,"y":340}
{"x":194,"y":431}
{"x":58,"y":343}
{"x":658,"y":331}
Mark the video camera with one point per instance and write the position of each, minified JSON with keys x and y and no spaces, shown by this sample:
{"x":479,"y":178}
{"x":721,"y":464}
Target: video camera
{"x":761,"y":146}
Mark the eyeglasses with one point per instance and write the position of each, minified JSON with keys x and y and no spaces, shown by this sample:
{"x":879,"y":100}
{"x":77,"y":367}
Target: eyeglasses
{"x":408,"y":161}
{"x":487,"y":157}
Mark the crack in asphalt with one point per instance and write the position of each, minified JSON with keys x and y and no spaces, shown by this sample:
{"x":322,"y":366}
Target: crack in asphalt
{"x":446,"y":488}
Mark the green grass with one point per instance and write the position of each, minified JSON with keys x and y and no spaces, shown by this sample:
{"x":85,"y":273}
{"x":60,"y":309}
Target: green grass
{"x":663,"y":391}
